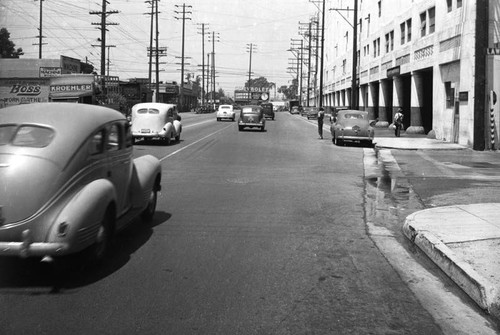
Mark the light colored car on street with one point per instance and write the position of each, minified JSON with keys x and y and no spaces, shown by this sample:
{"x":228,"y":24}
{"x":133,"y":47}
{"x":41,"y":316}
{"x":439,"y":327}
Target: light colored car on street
{"x":153,"y":120}
{"x":226,"y":112}
{"x":252,"y":116}
{"x":351,"y":126}
{"x":69,"y":180}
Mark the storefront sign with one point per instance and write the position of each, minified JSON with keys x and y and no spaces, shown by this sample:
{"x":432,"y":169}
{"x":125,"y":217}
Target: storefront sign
{"x":50,"y":72}
{"x":23,"y":91}
{"x":70,"y":65}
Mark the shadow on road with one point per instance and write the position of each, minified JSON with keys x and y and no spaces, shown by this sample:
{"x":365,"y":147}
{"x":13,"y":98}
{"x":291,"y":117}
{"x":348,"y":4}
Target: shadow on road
{"x":32,"y":277}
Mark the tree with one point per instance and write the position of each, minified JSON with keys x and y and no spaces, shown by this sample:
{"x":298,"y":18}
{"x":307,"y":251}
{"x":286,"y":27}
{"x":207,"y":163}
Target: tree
{"x":7,"y":47}
{"x":260,"y":82}
{"x":290,"y":92}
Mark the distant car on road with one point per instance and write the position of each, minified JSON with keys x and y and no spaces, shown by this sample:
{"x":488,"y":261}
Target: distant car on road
{"x":295,"y":110}
{"x":153,"y":120}
{"x":225,"y":112}
{"x":312,"y":113}
{"x":351,"y":126}
{"x":304,"y":111}
{"x":268,"y":110}
{"x":252,"y":116}
{"x":69,"y":181}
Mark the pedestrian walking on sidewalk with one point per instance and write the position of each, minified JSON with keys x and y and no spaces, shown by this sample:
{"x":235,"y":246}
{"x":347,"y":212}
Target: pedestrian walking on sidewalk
{"x":321,"y":116}
{"x":398,"y":122}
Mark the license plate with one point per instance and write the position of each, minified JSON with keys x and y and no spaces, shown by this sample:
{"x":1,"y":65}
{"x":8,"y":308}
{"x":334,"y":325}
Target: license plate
{"x":145,"y":131}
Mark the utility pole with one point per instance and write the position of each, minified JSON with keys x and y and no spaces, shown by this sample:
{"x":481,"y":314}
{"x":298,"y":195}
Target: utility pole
{"x":102,"y":26}
{"x":308,"y":34}
{"x":322,"y":55}
{"x":109,"y":46}
{"x":208,"y":74}
{"x":150,"y":54}
{"x":184,"y":18}
{"x":203,"y":63}
{"x":298,"y":44}
{"x":354,"y":75}
{"x":40,"y":36}
{"x":213,"y":65}
{"x":250,"y":49}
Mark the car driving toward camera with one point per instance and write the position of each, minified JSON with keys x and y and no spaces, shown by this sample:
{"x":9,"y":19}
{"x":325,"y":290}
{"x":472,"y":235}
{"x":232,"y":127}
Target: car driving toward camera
{"x":69,"y":181}
{"x":351,"y":126}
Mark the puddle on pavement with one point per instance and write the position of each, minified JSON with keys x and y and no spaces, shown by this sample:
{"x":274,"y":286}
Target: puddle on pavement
{"x":389,"y":197}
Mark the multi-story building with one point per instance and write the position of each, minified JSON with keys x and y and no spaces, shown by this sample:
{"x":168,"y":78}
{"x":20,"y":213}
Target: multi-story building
{"x":436,"y":59}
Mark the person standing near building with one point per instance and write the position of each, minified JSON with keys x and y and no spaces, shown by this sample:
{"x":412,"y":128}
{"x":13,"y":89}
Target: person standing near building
{"x":321,"y":116}
{"x":398,"y":122}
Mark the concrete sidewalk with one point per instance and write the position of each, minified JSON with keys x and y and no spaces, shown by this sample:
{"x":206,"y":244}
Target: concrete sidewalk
{"x":463,"y":240}
{"x":385,"y":138}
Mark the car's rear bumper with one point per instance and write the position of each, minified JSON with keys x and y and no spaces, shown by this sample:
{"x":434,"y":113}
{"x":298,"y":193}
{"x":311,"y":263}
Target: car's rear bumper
{"x":242,"y":124}
{"x":37,"y":249}
{"x":354,"y":138}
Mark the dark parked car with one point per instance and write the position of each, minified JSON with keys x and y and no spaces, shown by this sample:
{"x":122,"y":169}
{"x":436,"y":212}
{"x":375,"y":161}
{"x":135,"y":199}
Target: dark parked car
{"x":268,"y":110}
{"x":312,"y":113}
{"x":253,"y":117}
{"x":351,"y":126}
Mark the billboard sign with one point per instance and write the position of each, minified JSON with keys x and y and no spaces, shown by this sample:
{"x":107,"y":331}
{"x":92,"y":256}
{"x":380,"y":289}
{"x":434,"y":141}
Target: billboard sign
{"x":23,"y":91}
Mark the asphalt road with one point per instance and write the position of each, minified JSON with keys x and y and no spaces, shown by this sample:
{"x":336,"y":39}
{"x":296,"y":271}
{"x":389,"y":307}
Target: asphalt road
{"x":255,"y":233}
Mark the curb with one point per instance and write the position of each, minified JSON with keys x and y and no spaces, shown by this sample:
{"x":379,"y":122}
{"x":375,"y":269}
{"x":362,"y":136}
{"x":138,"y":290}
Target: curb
{"x":477,"y":287}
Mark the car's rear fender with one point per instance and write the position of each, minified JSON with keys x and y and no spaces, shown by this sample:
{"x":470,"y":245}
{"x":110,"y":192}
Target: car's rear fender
{"x":78,"y":222}
{"x":177,"y":127}
{"x":146,"y":176}
{"x":166,"y":131}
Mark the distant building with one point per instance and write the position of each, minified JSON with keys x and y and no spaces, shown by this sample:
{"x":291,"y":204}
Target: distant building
{"x":437,"y":60}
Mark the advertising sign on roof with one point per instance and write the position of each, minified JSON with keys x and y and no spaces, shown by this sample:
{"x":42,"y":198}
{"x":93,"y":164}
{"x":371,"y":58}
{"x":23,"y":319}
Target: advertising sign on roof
{"x":50,"y":72}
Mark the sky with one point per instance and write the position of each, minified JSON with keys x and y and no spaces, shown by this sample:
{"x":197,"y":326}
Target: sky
{"x":67,"y":26}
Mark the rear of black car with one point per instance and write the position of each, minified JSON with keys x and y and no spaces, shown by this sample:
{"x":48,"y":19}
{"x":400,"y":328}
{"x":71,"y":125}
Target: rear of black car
{"x":268,"y":110}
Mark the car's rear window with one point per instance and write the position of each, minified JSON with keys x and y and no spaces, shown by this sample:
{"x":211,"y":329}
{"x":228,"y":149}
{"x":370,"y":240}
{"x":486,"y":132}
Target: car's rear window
{"x":26,"y":135}
{"x":148,"y":110}
{"x":225,"y":107}
{"x":353,"y":116}
{"x":250,"y":110}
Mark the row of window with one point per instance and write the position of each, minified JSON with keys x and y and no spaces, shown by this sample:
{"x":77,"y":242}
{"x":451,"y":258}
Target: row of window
{"x":427,"y":27}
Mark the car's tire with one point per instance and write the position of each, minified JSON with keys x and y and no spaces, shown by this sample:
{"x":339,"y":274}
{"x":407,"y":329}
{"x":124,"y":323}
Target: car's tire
{"x":167,"y":140}
{"x":148,"y":213}
{"x":178,"y":138}
{"x":97,"y":252}
{"x":262,"y":128}
{"x":240,"y":128}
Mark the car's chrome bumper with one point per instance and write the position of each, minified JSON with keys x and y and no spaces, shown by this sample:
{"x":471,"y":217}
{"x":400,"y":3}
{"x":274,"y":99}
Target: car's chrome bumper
{"x":26,"y":248}
{"x":247,"y":124}
{"x":355,"y":138}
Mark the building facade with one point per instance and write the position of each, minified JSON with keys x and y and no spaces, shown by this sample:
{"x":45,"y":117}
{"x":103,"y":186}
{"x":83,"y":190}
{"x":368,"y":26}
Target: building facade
{"x":436,"y":59}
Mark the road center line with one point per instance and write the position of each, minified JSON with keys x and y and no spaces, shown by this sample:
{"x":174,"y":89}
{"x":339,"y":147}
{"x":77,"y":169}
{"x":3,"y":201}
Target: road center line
{"x":195,"y":124}
{"x":201,"y":139}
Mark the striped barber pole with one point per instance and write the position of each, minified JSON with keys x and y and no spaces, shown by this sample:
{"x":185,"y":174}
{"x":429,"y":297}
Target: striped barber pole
{"x":493,"y":100}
